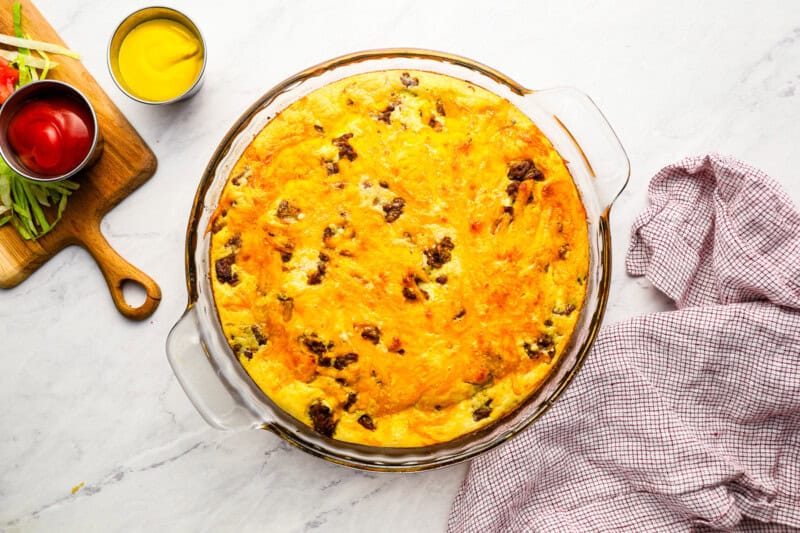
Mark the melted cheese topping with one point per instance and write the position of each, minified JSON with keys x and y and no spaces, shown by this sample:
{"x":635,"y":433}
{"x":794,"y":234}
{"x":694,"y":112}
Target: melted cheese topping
{"x":399,"y":258}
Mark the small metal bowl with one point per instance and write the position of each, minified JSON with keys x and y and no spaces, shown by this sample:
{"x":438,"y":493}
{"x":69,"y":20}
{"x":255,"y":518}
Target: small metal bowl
{"x":41,"y":90}
{"x":128,"y":24}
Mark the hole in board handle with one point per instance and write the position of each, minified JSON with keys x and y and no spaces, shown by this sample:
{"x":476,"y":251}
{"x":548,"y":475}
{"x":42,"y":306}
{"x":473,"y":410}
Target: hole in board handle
{"x":134,"y":293}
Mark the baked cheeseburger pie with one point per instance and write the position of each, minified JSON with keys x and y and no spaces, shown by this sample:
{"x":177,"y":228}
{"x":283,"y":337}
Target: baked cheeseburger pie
{"x":399,"y":258}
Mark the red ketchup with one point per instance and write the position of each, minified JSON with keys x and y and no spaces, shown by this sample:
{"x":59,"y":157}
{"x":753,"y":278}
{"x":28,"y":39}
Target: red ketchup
{"x":51,"y":135}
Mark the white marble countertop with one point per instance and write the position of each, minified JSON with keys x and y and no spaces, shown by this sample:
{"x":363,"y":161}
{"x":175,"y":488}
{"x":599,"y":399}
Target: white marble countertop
{"x":89,"y":398}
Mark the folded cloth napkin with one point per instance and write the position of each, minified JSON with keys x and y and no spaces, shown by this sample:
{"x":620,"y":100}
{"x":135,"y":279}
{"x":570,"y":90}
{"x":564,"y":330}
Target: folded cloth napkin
{"x":687,"y":420}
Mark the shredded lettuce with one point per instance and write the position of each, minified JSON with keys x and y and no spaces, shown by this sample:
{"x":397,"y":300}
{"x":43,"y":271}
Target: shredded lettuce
{"x":23,"y":200}
{"x":47,"y":64}
{"x":43,"y":63}
{"x":21,"y":42}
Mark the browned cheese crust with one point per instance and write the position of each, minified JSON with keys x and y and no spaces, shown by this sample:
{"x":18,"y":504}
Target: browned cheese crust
{"x":399,"y":258}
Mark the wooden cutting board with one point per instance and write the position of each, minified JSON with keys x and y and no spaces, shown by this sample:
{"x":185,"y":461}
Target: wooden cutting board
{"x":126,"y":163}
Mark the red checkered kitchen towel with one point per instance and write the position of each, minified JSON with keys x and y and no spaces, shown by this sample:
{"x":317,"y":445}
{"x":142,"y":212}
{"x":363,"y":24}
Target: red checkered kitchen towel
{"x":686,"y":420}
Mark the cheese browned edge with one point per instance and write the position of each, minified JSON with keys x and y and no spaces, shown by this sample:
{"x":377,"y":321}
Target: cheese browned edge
{"x":399,"y":258}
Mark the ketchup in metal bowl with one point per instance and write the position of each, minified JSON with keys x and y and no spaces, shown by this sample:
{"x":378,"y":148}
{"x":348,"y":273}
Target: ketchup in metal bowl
{"x":48,"y":131}
{"x":51,"y":135}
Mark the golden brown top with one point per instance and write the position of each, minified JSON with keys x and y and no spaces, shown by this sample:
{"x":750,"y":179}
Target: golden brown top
{"x":399,"y":258}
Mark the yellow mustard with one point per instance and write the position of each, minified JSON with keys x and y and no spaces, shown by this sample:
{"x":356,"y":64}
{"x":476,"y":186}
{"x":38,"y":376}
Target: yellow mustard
{"x":160,"y":59}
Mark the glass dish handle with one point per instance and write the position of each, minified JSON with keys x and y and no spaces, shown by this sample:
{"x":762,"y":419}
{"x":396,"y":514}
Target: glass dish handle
{"x":205,"y":387}
{"x":595,"y":140}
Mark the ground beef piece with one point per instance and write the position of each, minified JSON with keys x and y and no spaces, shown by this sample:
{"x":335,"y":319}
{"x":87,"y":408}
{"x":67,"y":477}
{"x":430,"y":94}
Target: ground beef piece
{"x":504,"y":220}
{"x":247,"y":353}
{"x":351,"y":400}
{"x":345,"y":360}
{"x":224,"y":270}
{"x":545,"y":340}
{"x":322,"y":419}
{"x":286,"y":256}
{"x":366,"y":421}
{"x":441,"y":280}
{"x":371,"y":333}
{"x":513,"y":190}
{"x":285,"y":247}
{"x":315,"y":344}
{"x":409,"y":294}
{"x":319,"y":128}
{"x":435,"y":124}
{"x":481,"y":412}
{"x":324,"y":361}
{"x":393,"y":210}
{"x":241,"y":177}
{"x":460,"y":314}
{"x":439,"y":254}
{"x":386,"y":114}
{"x":396,"y":346}
{"x":408,"y":81}
{"x":315,"y":277}
{"x":235,"y":241}
{"x":524,"y":169}
{"x":285,"y":210}
{"x":530,"y":350}
{"x":261,"y":339}
{"x":563,"y":250}
{"x":331,"y":167}
{"x":346,"y":151}
{"x":384,"y":184}
{"x":544,"y":347}
{"x":440,"y":108}
{"x":565,"y":311}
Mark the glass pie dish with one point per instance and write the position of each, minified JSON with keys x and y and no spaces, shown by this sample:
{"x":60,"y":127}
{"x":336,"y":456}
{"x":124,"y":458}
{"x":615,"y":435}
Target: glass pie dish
{"x":216,"y":382}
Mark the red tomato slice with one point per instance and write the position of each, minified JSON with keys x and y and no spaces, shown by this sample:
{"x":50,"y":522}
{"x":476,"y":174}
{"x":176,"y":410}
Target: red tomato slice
{"x":9,"y":77}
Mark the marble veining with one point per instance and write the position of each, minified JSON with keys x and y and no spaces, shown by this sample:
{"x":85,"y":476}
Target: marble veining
{"x":89,"y":398}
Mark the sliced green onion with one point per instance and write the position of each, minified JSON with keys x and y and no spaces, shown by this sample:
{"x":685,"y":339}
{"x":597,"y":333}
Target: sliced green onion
{"x":5,"y":190}
{"x":25,"y":75}
{"x":41,"y":195}
{"x":18,"y":25}
{"x":36,"y":209}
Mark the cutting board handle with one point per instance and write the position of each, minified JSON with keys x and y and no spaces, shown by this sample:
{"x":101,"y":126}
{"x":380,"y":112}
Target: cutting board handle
{"x":117,"y":271}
